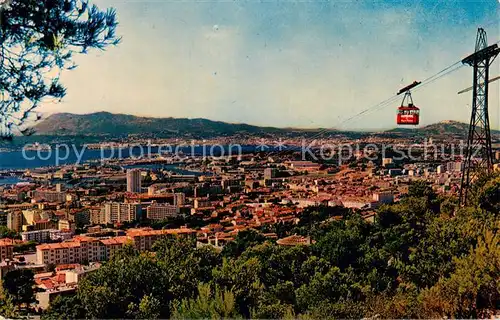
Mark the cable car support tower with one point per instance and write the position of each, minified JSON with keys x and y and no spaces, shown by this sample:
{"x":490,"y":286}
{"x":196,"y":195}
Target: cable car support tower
{"x":478,"y":157}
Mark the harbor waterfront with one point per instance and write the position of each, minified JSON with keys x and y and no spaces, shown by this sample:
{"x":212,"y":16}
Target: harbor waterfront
{"x":30,"y":159}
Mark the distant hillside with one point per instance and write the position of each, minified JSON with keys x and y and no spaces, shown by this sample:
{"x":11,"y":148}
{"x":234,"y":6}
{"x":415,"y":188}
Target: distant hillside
{"x":447,"y":127}
{"x":116,"y":125}
{"x":105,"y":123}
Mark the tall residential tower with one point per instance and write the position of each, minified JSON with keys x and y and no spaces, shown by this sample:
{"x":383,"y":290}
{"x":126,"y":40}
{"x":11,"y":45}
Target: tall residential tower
{"x":134,"y":180}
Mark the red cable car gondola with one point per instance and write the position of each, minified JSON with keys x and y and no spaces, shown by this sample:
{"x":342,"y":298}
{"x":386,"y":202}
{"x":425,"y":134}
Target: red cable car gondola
{"x":408,"y":114}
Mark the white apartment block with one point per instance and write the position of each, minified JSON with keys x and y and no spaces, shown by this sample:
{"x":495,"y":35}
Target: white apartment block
{"x":83,"y":249}
{"x":80,"y":250}
{"x":46,"y":235}
{"x":157,"y":211}
{"x":40,"y":236}
{"x":97,"y":216}
{"x":115,"y":212}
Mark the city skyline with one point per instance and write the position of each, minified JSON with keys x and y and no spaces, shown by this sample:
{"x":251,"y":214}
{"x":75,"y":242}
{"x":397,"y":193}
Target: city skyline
{"x":283,"y":64}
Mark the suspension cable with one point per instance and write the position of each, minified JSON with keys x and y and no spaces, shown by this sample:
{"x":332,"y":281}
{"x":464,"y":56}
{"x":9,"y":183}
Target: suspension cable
{"x":389,"y":101}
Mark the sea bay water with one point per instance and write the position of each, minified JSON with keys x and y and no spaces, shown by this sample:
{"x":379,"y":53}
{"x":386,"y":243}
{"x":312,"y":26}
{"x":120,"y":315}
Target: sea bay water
{"x":31,"y":159}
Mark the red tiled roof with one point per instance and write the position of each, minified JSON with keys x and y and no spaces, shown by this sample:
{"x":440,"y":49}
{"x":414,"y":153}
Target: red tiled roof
{"x":148,"y":232}
{"x":48,"y":284}
{"x":67,"y":266}
{"x":49,"y":246}
{"x":116,"y":240}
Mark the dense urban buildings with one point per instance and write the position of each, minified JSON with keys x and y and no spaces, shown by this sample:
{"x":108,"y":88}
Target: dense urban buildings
{"x":76,"y":224}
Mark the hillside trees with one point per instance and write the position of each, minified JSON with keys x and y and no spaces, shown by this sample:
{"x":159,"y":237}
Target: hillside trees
{"x":118,"y":289}
{"x":65,"y":307}
{"x":19,"y":285}
{"x":410,"y":262}
{"x":38,"y":40}
{"x":473,"y":288}
{"x":209,"y":304}
{"x":7,"y":307}
{"x":7,"y":233}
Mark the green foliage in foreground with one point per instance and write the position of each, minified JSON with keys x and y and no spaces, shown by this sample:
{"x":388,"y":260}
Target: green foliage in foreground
{"x":18,"y":286}
{"x":7,"y":233}
{"x":414,"y":261}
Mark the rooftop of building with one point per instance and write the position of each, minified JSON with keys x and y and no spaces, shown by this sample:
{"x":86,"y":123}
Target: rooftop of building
{"x":294,"y":240}
{"x":8,"y":242}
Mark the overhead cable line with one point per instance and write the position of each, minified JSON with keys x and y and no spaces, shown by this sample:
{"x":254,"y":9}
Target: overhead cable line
{"x":389,"y":101}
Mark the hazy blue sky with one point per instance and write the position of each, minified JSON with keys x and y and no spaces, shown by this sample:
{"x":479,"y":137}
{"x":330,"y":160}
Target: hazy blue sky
{"x":283,"y":63}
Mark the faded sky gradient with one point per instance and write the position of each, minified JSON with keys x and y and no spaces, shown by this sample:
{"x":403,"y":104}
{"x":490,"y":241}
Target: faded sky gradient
{"x":284,"y":63}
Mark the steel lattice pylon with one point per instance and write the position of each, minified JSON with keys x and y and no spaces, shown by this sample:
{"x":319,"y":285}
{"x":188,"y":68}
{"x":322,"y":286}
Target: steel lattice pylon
{"x":478,"y":157}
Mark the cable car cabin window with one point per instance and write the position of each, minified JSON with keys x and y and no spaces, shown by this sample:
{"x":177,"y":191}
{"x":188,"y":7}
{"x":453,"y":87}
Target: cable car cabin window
{"x":415,"y":111}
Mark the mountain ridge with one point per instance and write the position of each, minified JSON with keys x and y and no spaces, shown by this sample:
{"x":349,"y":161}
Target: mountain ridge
{"x":104,"y":123}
